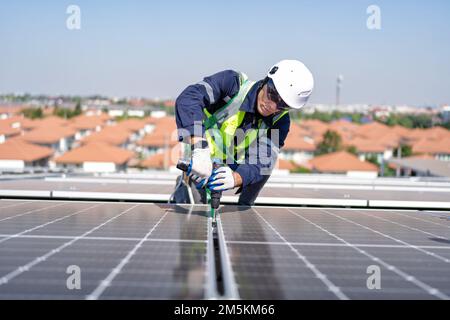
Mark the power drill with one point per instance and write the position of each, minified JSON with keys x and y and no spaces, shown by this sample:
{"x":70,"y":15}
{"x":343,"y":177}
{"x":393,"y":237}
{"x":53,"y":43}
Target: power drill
{"x":183,"y":165}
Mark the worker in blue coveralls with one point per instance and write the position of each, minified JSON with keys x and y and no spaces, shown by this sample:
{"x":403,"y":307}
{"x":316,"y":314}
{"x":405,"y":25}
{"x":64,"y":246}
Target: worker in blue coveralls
{"x":242,"y":124}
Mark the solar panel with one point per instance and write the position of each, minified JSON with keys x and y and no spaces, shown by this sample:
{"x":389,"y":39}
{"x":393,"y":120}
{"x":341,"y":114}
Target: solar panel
{"x":126,"y":251}
{"x":293,"y":253}
{"x":151,"y":251}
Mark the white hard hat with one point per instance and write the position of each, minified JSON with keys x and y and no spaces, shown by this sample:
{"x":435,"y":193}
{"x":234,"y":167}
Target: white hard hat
{"x":293,"y":81}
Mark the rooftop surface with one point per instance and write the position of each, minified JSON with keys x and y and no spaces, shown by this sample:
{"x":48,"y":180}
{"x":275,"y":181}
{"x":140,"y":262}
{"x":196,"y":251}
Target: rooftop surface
{"x":150,"y":251}
{"x":318,"y":237}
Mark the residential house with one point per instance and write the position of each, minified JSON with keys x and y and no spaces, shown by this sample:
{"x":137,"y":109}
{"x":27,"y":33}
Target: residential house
{"x":95,"y":157}
{"x":58,"y":138}
{"x":17,"y":155}
{"x":342,"y":162}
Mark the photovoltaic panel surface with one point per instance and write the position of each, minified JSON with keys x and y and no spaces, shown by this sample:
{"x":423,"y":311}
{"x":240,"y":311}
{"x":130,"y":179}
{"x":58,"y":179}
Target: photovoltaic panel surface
{"x":123,"y":251}
{"x":296,"y":253}
{"x":149,"y":251}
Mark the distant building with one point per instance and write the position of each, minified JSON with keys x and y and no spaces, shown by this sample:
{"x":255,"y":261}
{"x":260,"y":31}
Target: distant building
{"x":162,"y":160}
{"x":88,"y":124}
{"x":162,"y":137}
{"x":438,"y":148}
{"x":7,"y":132}
{"x":421,"y":167}
{"x":60,"y":139}
{"x":343,"y":163}
{"x":137,"y":128}
{"x":17,"y":155}
{"x":445,"y":114}
{"x":113,"y":135}
{"x":95,"y":157}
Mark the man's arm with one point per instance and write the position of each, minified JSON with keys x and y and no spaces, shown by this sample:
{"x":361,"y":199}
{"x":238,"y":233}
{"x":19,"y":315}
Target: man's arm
{"x":191,"y":102}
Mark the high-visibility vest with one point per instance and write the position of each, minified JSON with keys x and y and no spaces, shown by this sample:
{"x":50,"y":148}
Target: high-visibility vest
{"x":221,"y":126}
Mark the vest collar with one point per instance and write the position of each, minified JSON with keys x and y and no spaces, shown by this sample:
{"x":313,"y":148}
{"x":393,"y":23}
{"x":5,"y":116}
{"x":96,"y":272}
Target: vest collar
{"x":249,"y":104}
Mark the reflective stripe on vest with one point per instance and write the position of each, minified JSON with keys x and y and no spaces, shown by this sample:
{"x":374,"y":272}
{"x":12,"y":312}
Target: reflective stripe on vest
{"x":221,"y":126}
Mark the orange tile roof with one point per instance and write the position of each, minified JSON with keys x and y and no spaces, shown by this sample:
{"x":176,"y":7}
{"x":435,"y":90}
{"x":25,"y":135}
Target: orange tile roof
{"x":296,"y":129}
{"x":113,"y":135}
{"x":339,"y":162}
{"x":373,"y":129}
{"x":298,"y":139}
{"x":132,"y":125}
{"x":367,"y":145}
{"x":157,"y":140}
{"x":164,"y":132}
{"x":286,"y":165}
{"x":50,"y":134}
{"x":84,"y":122}
{"x":8,"y":131}
{"x":157,"y":160}
{"x":343,"y":125}
{"x":430,"y":146}
{"x":163,"y":120}
{"x":298,"y":143}
{"x":95,"y":152}
{"x":401,"y":131}
{"x":20,"y":119}
{"x":390,"y":139}
{"x":316,"y":127}
{"x":46,"y":122}
{"x":17,"y":149}
{"x":437,"y":133}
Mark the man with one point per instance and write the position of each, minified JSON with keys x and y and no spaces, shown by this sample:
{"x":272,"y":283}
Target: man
{"x":241,"y":123}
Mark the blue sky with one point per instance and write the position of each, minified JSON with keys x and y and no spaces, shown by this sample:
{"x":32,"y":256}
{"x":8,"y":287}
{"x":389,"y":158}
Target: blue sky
{"x":156,"y":48}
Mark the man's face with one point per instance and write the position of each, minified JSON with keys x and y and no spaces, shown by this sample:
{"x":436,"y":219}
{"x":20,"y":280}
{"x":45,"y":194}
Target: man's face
{"x":265,"y":106}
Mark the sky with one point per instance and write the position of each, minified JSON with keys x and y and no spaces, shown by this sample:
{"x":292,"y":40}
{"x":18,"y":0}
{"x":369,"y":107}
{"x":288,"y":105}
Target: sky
{"x":156,"y":48}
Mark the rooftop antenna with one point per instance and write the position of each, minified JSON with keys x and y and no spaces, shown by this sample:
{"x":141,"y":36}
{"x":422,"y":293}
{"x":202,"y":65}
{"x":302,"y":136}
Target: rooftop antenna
{"x":339,"y":81}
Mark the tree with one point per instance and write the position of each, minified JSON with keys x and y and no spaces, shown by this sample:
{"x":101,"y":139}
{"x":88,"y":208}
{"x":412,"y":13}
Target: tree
{"x":33,"y":113}
{"x":373,"y":159}
{"x":78,"y":110}
{"x":406,"y":151}
{"x":301,"y":170}
{"x":331,"y":142}
{"x":352,"y":150}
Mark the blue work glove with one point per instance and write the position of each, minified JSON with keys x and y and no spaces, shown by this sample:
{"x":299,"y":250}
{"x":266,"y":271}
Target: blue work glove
{"x":200,"y":167}
{"x":221,"y":179}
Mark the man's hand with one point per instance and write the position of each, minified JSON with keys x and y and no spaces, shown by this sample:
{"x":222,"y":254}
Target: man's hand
{"x":201,"y":166}
{"x":223,"y":179}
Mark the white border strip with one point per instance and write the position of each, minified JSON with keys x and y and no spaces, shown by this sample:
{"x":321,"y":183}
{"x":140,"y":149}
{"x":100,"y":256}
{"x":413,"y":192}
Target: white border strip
{"x":25,"y":193}
{"x":230,"y":286}
{"x":300,"y":201}
{"x":111,"y":195}
{"x":111,"y":181}
{"x":412,"y":186}
{"x":211,"y":283}
{"x":409,"y":204}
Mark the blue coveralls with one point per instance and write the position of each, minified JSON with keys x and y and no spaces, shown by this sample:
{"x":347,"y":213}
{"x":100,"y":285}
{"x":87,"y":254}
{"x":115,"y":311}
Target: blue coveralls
{"x":225,"y":85}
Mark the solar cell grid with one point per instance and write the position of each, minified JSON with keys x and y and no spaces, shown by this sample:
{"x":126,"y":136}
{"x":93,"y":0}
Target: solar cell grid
{"x":149,"y":251}
{"x":112,"y":244}
{"x":412,"y":264}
